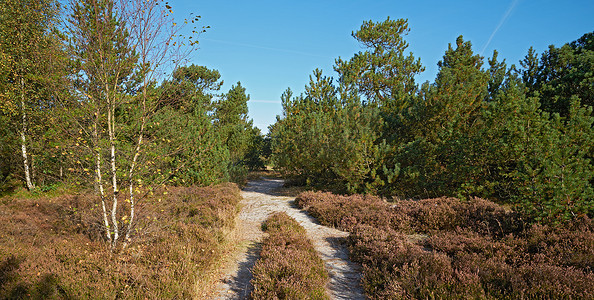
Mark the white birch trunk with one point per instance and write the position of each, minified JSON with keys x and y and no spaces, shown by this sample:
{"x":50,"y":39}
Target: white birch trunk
{"x":114,"y":178}
{"x":102,"y":196}
{"x":132,"y":168}
{"x":30,"y":185}
{"x":99,"y":177}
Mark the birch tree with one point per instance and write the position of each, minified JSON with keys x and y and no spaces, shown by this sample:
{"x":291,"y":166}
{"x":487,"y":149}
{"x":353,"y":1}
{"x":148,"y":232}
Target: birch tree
{"x":27,"y":46}
{"x":123,"y":49}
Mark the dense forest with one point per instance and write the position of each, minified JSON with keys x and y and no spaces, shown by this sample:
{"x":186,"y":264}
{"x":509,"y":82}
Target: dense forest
{"x":516,"y":135}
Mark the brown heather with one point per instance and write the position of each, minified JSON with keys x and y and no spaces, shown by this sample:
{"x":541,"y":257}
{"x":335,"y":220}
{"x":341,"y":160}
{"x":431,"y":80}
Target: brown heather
{"x":289,"y":267}
{"x":446,"y":248}
{"x":52,"y":248}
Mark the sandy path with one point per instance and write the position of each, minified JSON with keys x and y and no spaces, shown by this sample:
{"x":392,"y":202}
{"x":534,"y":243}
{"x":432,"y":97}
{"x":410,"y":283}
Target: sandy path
{"x":259,"y":201}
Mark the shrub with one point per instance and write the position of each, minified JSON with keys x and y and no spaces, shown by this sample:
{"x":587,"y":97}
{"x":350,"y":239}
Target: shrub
{"x":346,"y":211}
{"x":289,"y":267}
{"x":448,"y":248}
{"x":54,"y":247}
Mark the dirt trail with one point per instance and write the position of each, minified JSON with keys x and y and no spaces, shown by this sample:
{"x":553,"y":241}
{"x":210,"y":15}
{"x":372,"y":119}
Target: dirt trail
{"x":259,"y":201}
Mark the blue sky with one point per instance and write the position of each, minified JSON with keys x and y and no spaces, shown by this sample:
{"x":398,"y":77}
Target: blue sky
{"x":272,"y":45}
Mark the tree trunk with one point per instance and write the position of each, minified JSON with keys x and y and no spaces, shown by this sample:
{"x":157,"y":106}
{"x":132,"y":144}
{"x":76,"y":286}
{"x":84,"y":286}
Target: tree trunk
{"x":98,"y":177}
{"x":133,"y":165}
{"x":102,"y":196}
{"x":131,"y":187}
{"x":114,"y":178}
{"x":30,"y":185}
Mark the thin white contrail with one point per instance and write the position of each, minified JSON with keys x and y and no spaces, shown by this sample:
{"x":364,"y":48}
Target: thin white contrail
{"x":501,"y":22}
{"x":264,"y":47}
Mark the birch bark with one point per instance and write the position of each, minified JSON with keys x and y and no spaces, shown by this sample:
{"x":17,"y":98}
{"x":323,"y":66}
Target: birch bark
{"x":30,"y":185}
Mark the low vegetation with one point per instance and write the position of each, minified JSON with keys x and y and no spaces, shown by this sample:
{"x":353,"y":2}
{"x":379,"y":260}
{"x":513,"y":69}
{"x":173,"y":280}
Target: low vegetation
{"x":289,"y":267}
{"x":448,"y":248}
{"x":54,"y":247}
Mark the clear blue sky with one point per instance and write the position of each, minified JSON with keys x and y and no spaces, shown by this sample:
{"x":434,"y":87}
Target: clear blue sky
{"x":272,"y":45}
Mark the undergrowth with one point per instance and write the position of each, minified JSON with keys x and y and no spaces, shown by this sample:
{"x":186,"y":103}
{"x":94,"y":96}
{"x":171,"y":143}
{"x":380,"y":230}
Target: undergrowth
{"x":447,"y":248}
{"x":289,"y":267}
{"x":53,"y":247}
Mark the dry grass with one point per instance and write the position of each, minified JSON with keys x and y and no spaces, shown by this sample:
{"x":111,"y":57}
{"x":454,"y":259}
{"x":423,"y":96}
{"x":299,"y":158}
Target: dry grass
{"x":52,"y":247}
{"x":268,"y":173}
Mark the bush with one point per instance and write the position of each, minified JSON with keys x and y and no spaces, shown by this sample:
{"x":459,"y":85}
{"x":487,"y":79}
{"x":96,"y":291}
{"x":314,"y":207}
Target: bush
{"x":448,"y":248}
{"x":346,"y":211}
{"x":289,"y":267}
{"x":55,"y":248}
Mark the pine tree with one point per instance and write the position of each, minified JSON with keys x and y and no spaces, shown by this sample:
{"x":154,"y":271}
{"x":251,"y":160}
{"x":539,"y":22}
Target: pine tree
{"x":183,"y":139}
{"x":443,"y":120}
{"x":383,"y":74}
{"x":561,"y":73}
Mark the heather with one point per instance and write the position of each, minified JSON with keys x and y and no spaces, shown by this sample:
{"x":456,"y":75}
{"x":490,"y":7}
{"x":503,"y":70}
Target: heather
{"x":449,"y":248}
{"x":54,"y":247}
{"x":289,"y":266}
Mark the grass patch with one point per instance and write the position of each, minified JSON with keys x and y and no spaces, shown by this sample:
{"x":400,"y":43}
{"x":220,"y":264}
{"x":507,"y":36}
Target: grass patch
{"x":447,"y":248}
{"x":258,"y":174}
{"x":289,"y":266}
{"x":53,"y":247}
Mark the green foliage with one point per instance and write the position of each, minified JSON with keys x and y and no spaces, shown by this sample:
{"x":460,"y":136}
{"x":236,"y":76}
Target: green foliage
{"x":7,"y":144}
{"x":194,"y":138}
{"x":259,"y":153}
{"x":32,"y":75}
{"x":305,"y":141}
{"x":237,"y":132}
{"x":192,"y":87}
{"x":185,"y":147}
{"x":555,"y":174}
{"x":473,"y":132}
{"x":561,"y":74}
{"x":383,"y":73}
{"x":433,"y":133}
{"x":69,"y":120}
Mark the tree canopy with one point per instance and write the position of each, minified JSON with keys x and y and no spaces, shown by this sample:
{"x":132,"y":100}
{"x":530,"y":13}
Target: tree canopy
{"x":481,"y":129}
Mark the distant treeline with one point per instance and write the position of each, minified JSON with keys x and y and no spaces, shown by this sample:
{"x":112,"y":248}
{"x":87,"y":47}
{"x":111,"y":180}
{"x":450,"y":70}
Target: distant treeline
{"x":517,"y":135}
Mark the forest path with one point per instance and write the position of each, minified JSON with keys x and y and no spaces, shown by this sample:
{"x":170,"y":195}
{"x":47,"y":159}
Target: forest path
{"x":261,"y":199}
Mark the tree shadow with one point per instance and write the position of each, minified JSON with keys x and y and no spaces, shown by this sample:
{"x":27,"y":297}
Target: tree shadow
{"x":240,"y":284}
{"x":267,"y":186}
{"x":12,"y":287}
{"x":345,"y":275}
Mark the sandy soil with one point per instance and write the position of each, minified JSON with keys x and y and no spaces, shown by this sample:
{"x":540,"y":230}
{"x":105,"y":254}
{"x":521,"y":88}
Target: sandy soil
{"x":260,"y":199}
